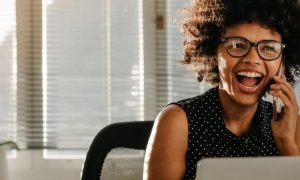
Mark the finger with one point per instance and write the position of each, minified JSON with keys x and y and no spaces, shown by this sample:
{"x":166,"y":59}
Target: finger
{"x":289,"y":109}
{"x":286,"y":88}
{"x":281,"y":80}
{"x":285,"y":100}
{"x":277,"y":108}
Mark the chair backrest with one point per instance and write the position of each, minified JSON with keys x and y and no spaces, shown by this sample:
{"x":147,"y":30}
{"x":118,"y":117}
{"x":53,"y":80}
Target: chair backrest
{"x":132,"y":135}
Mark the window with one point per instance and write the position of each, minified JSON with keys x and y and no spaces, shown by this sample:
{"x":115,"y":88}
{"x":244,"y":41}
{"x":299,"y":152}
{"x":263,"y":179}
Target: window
{"x":71,"y":67}
{"x":7,"y":71}
{"x":94,"y":69}
{"x":182,"y":84}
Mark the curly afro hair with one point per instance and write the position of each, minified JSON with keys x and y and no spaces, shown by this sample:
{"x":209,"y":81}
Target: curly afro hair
{"x":205,"y":20}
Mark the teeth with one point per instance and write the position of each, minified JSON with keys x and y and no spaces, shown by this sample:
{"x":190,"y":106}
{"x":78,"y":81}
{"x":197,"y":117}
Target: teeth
{"x":249,"y":74}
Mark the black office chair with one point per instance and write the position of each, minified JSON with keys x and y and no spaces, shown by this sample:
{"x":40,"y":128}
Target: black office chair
{"x":133,"y":135}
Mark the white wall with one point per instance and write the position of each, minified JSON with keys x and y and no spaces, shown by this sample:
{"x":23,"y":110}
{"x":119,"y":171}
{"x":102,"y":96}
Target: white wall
{"x":29,"y":165}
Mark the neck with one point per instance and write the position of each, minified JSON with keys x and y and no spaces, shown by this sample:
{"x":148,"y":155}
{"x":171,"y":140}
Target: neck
{"x":237,"y":117}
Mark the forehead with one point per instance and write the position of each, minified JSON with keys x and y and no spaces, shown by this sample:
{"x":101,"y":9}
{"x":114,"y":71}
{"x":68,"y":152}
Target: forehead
{"x":252,"y":31}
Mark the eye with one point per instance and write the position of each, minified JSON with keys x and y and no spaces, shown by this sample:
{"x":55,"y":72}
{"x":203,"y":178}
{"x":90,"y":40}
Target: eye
{"x":270,"y":47}
{"x":240,"y":45}
{"x":234,"y":45}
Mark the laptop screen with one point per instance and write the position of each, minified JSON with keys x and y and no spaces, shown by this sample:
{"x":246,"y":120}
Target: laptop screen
{"x":249,"y":168}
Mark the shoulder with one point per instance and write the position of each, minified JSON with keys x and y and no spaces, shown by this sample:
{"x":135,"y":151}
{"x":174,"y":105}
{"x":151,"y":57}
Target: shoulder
{"x":170,"y":129}
{"x":167,"y":145}
{"x":172,"y":118}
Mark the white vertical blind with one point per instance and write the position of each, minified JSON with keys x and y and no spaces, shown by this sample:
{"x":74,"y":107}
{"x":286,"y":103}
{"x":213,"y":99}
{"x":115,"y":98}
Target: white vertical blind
{"x":174,"y":81}
{"x":93,"y":69}
{"x":7,"y":70}
{"x":161,"y":54}
{"x":74,"y":64}
{"x":29,"y":83}
{"x":182,"y":83}
{"x":81,"y":65}
{"x":78,"y":66}
{"x":126,"y":61}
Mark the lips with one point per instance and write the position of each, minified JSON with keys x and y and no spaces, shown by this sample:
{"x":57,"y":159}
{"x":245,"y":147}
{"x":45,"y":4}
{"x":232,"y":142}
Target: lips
{"x":249,"y":81}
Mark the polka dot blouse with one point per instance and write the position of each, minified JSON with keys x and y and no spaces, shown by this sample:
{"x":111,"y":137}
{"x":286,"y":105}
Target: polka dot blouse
{"x":209,"y":137}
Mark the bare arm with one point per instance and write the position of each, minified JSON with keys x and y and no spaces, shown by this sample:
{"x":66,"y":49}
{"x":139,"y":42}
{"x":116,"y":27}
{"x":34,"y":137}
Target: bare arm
{"x":286,"y":127}
{"x":167,"y":146}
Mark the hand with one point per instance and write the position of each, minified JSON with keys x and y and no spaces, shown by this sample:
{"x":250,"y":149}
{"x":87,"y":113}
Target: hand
{"x":284,"y":127}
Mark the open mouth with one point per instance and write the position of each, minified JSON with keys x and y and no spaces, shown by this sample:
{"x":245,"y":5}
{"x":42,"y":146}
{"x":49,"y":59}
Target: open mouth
{"x":249,"y":79}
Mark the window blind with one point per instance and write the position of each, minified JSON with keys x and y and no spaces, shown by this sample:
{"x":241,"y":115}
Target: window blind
{"x":175,"y":82}
{"x":161,"y":54}
{"x":93,"y":69}
{"x":8,"y":73}
{"x":29,"y":74}
{"x":80,"y":66}
{"x":72,"y":67}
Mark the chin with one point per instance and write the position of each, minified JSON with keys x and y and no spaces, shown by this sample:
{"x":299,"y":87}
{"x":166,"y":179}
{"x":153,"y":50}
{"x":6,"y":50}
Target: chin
{"x":246,"y":100}
{"x":240,"y":98}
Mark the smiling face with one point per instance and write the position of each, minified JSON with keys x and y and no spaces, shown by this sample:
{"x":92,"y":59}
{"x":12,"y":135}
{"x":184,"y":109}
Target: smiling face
{"x":243,"y":79}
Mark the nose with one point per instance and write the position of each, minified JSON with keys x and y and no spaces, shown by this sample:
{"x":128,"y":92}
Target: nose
{"x":252,"y":56}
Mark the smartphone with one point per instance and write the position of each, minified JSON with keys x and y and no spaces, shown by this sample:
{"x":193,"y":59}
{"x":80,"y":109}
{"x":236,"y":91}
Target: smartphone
{"x":277,"y":103}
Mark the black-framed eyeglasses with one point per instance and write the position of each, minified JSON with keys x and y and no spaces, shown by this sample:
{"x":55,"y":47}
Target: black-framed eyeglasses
{"x":268,"y":50}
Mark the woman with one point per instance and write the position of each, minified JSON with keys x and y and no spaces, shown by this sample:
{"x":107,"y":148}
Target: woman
{"x":242,"y":47}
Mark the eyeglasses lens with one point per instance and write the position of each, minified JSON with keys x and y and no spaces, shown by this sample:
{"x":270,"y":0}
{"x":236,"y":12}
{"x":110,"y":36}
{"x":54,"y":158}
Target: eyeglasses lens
{"x":269,"y":50}
{"x":238,"y":47}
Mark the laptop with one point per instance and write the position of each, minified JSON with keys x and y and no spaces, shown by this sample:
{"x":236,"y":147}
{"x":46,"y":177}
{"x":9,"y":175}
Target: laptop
{"x":249,"y":168}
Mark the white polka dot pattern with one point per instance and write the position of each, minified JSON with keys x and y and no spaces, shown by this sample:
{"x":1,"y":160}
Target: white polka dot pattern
{"x":209,"y":137}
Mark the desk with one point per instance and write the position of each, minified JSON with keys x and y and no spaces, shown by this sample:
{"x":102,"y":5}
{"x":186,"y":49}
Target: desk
{"x":3,"y":165}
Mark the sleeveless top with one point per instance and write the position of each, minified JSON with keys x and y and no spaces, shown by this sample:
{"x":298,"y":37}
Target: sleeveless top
{"x":209,"y":137}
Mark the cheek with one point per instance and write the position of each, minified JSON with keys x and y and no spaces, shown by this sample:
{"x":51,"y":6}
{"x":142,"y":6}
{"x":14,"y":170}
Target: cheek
{"x":222,"y":64}
{"x":225,"y":65}
{"x":272,"y":69}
